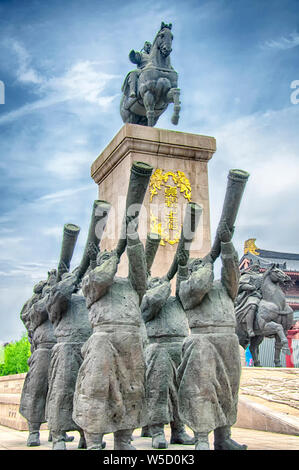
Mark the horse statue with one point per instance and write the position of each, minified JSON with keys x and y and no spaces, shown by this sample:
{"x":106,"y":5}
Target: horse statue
{"x":273,"y":317}
{"x":148,"y":90}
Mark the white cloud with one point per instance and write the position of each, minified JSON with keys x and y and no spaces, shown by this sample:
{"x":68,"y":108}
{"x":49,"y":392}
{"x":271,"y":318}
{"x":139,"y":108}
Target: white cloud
{"x":24,"y":72}
{"x":84,"y":81}
{"x":13,"y":298}
{"x":69,"y":165}
{"x":28,"y":108}
{"x":63,"y":194}
{"x":265,"y":145}
{"x":52,"y":232}
{"x":26,"y":272}
{"x":284,"y":42}
{"x":10,"y":240}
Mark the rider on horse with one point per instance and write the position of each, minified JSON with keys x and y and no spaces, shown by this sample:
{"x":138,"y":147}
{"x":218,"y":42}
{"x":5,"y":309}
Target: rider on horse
{"x":249,"y":296}
{"x":141,"y":59}
{"x":273,"y":315}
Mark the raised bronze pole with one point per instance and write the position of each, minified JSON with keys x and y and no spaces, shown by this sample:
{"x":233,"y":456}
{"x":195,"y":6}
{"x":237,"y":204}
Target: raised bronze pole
{"x":191,"y":220}
{"x":138,"y":183}
{"x":151,"y":248}
{"x":236,"y":183}
{"x":69,"y":240}
{"x":99,"y":216}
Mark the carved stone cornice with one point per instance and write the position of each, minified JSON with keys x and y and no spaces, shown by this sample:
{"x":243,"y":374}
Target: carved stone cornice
{"x":142,"y":140}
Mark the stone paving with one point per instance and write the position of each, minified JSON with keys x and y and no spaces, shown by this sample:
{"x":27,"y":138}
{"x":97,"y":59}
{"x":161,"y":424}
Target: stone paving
{"x":275,"y":389}
{"x":278,"y":387}
{"x":10,"y":439}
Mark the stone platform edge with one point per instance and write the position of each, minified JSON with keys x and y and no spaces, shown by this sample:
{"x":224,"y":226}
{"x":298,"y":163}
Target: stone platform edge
{"x":151,"y":141}
{"x":252,"y":415}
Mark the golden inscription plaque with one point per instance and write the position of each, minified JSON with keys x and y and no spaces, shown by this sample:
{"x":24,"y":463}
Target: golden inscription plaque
{"x":174,"y":186}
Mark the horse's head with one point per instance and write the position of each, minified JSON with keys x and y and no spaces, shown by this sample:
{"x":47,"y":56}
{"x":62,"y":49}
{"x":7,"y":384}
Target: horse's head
{"x":277,"y":275}
{"x":163,"y":40}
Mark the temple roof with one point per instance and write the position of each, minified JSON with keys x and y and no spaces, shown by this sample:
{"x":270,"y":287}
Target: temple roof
{"x":286,"y":261}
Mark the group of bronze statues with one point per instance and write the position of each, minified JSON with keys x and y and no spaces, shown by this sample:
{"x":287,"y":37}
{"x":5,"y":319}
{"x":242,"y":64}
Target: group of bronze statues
{"x":112,"y":354}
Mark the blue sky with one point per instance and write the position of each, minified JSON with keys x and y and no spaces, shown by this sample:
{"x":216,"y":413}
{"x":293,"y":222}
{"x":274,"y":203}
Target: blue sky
{"x":63,"y":64}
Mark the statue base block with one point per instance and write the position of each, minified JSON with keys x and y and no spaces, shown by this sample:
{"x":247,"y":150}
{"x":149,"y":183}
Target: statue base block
{"x":10,"y":397}
{"x":180,"y":175}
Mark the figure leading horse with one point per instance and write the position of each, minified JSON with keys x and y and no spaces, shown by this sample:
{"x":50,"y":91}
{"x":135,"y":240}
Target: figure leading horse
{"x":274,"y":317}
{"x":156,"y":83}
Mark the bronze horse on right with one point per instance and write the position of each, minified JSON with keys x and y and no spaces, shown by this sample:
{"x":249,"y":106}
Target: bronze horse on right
{"x":274,"y":317}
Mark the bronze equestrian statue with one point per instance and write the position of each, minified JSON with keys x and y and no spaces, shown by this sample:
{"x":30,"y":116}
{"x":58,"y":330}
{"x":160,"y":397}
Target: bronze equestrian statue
{"x":148,"y":90}
{"x":273,"y":317}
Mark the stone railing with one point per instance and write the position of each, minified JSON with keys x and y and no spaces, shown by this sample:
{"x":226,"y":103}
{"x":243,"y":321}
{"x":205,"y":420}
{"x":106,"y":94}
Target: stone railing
{"x":10,"y":395}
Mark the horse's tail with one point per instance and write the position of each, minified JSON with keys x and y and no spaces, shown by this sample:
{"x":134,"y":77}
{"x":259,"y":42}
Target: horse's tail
{"x":125,"y":84}
{"x":242,"y":336}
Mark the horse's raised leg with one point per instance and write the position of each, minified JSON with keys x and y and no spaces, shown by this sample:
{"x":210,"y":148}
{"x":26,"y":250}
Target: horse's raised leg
{"x":277,"y":352}
{"x":273,"y":328}
{"x":254,"y":349}
{"x":149,"y":104}
{"x":173,"y":96}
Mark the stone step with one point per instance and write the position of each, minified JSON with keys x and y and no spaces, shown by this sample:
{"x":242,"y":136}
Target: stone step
{"x":9,"y":412}
{"x":269,"y":399}
{"x":260,"y":416}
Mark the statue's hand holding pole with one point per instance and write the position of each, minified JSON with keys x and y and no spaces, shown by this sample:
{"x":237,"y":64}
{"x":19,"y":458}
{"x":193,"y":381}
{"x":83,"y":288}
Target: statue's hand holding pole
{"x":182,"y":257}
{"x":132,"y":233}
{"x":92,"y":252}
{"x":224,"y":233}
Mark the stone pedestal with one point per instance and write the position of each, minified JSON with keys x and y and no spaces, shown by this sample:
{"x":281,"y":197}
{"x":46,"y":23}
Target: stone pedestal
{"x":180,"y":162}
{"x":10,"y":396}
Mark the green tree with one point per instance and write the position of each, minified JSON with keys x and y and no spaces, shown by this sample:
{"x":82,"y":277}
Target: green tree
{"x":16,"y":355}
